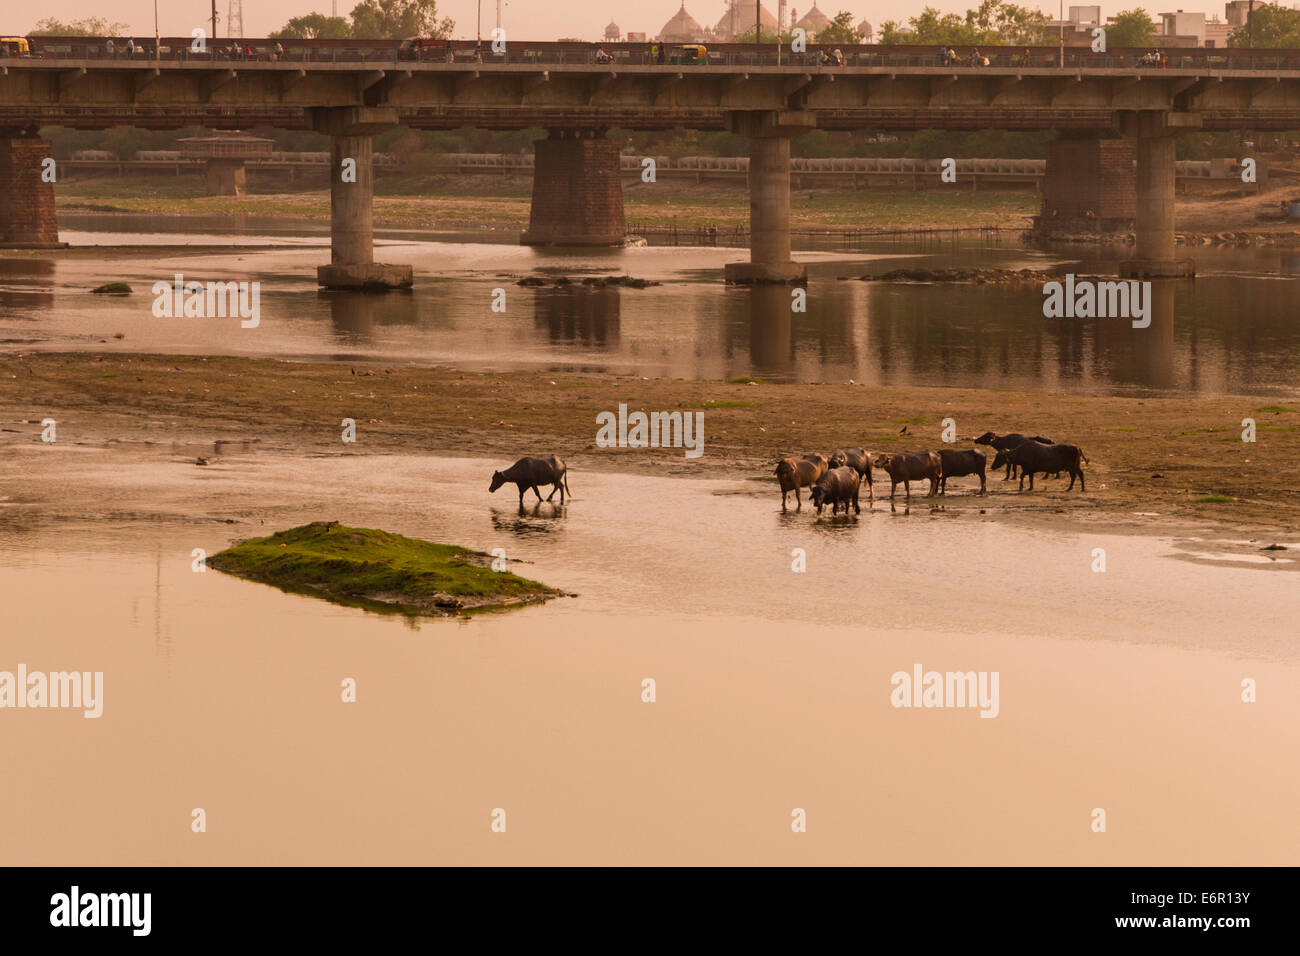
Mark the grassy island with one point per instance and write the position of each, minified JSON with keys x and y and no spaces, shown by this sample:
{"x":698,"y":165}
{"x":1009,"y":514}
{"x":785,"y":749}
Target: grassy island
{"x":362,"y":567}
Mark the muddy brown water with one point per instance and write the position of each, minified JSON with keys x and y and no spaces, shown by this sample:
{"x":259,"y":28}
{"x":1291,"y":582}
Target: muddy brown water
{"x":1119,"y":690}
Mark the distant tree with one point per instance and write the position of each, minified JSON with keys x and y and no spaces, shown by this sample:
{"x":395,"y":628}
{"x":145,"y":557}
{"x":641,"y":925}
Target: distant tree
{"x":313,"y":26}
{"x":930,"y":28}
{"x":1132,"y":28}
{"x":764,"y":37}
{"x":840,"y":30}
{"x":1006,"y":24}
{"x":89,"y":27}
{"x":1270,"y":27}
{"x":993,"y":23}
{"x":398,"y":19}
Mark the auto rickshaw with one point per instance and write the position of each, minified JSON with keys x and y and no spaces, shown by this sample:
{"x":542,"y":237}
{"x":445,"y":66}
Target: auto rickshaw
{"x":15,"y":46}
{"x":691,"y":54}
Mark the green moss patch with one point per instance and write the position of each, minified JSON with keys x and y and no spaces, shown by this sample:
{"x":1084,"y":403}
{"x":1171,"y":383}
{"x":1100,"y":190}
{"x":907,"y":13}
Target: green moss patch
{"x":362,"y":567}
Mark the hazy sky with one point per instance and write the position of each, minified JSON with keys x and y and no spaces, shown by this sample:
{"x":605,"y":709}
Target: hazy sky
{"x":533,"y":19}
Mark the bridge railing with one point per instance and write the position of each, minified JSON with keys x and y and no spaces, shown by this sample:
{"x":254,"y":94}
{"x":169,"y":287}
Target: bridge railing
{"x":543,"y":53}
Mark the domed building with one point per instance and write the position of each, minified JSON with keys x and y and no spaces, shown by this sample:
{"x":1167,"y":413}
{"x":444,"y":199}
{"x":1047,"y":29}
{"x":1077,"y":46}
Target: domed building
{"x":865,"y":31}
{"x":813,"y":22}
{"x":739,"y":19}
{"x":682,"y":28}
{"x":612,"y":33}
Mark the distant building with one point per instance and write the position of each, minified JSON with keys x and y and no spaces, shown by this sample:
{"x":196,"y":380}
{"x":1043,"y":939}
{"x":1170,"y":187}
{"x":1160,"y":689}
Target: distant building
{"x":1193,"y":29}
{"x":1085,"y":16}
{"x":682,"y":28}
{"x":633,"y":37}
{"x":739,"y":20}
{"x":1184,"y":26}
{"x":864,"y":29}
{"x":1236,"y":12}
{"x":612,"y":33}
{"x":813,"y":22}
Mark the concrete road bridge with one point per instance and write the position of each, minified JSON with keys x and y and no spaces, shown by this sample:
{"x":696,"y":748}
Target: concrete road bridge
{"x":1098,"y":103}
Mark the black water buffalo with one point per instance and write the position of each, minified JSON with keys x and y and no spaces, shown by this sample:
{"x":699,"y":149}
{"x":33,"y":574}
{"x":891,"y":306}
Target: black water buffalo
{"x":532,"y":472}
{"x":957,"y":464}
{"x":1006,"y":443}
{"x":909,"y":468}
{"x":821,"y":461}
{"x":1033,"y":457}
{"x":839,"y":486}
{"x":796,"y":473}
{"x":859,"y":459}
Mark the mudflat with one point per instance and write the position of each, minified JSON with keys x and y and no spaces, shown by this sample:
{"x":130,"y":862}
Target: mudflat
{"x":1155,"y":463}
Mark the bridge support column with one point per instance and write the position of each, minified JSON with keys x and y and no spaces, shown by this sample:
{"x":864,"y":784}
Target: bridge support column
{"x":352,"y":265}
{"x":1154,"y":254}
{"x":769,"y":133}
{"x":1088,"y":185}
{"x":27,"y":216}
{"x":225,"y":177}
{"x":577,"y":191}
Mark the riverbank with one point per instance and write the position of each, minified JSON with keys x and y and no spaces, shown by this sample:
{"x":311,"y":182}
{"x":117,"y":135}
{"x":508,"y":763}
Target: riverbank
{"x":503,"y":203}
{"x":1156,"y":464}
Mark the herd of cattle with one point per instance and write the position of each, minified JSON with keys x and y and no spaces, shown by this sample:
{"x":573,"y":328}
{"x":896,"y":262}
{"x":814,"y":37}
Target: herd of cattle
{"x":837,"y":478}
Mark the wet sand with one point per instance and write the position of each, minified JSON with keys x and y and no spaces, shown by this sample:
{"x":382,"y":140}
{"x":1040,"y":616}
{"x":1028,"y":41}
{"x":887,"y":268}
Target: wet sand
{"x":195,"y":403}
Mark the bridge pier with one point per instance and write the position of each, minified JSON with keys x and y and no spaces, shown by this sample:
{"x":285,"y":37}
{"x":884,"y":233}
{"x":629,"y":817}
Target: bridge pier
{"x":769,"y":133}
{"x":1154,"y":253}
{"x":27,"y":216}
{"x":577,"y":191}
{"x":1088,"y":185}
{"x":352,"y":265}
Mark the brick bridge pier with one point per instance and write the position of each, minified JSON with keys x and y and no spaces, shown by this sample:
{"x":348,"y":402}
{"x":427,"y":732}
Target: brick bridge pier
{"x":27,"y":216}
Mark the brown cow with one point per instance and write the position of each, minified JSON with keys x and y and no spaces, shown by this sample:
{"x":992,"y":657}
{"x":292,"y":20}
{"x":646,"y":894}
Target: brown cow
{"x":909,"y":468}
{"x":821,"y":461}
{"x":796,"y":473}
{"x":859,"y":459}
{"x":532,"y":472}
{"x":957,"y":463}
{"x":839,"y":486}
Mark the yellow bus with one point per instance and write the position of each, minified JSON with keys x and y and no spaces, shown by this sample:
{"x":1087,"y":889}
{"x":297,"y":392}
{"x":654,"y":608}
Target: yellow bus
{"x":15,"y":46}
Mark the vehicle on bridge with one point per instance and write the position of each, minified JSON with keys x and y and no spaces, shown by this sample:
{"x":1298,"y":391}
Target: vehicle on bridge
{"x":424,"y":48}
{"x":689,"y":54}
{"x":15,"y":46}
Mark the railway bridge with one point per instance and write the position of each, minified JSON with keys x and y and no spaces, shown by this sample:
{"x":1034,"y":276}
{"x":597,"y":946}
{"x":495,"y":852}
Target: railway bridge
{"x":577,"y":195}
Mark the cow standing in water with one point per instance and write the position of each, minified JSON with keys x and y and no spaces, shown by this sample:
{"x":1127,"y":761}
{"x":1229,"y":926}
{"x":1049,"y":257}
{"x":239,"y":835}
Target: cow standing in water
{"x":533,"y":472}
{"x":793,"y":474}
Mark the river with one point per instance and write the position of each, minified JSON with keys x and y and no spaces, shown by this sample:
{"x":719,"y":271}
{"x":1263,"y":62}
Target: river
{"x":773,"y":639}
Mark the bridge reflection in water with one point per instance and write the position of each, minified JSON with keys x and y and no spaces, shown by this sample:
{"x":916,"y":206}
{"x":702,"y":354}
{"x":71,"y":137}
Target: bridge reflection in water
{"x":1223,"y":333}
{"x":972,"y":336}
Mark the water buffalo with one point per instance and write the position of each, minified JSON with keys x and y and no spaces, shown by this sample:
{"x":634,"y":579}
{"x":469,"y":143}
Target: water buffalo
{"x":532,"y":472}
{"x":1006,"y":443}
{"x":821,"y":461}
{"x":859,"y":459}
{"x":1033,"y":457}
{"x":796,"y":473}
{"x":909,"y":468}
{"x":958,"y":463}
{"x":839,"y":486}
